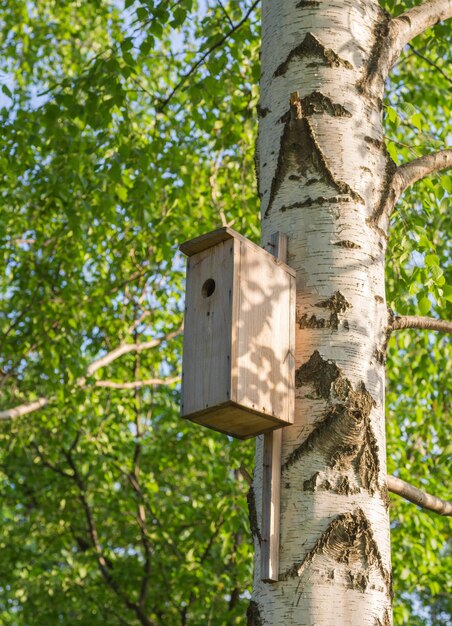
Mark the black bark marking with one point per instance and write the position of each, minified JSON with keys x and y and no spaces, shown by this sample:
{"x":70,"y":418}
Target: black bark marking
{"x":345,"y":436}
{"x":344,"y":455}
{"x":385,"y":621}
{"x":358,"y":581}
{"x":384,"y":492}
{"x":257,"y":165}
{"x":317,"y":102}
{"x":380,"y":352}
{"x":285,"y":117}
{"x":313,"y":202}
{"x":305,"y":4}
{"x":311,"y":47}
{"x":319,"y":373}
{"x":311,"y":483}
{"x":347,"y":244}
{"x":300,"y":154}
{"x":380,"y":356}
{"x":262,"y":111}
{"x":387,"y":195}
{"x":253,"y":615}
{"x":342,"y":487}
{"x":348,"y":539}
{"x":368,"y":461}
{"x":379,"y":299}
{"x":380,"y":145}
{"x":337,"y":304}
{"x":252,"y":515}
{"x":311,"y":322}
{"x":372,"y":68}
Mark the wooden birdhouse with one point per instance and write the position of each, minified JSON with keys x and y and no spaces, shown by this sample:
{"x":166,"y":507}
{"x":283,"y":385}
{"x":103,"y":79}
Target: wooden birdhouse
{"x":239,"y":338}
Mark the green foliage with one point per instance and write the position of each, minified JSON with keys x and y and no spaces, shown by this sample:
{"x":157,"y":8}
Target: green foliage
{"x":419,"y":279}
{"x":123,"y":136}
{"x":103,"y":175}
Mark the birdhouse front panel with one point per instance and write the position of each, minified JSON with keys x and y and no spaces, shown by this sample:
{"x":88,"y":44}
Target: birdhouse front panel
{"x":206,"y":372}
{"x":238,"y":365}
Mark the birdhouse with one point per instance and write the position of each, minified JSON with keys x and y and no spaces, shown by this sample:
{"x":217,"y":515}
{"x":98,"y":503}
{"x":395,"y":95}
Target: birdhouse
{"x":239,"y":337}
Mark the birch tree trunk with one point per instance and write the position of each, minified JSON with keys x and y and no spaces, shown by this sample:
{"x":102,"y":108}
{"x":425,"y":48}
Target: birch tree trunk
{"x":323,"y":177}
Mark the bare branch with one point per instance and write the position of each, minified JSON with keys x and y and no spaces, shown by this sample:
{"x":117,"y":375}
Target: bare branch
{"x":126,"y":348}
{"x":214,"y":191}
{"x":409,"y":173}
{"x":206,"y":54}
{"x":430,"y":62}
{"x":398,"y":32}
{"x":136,"y":384}
{"x":415,"y":21}
{"x":23,"y":409}
{"x":425,"y":323}
{"x":228,"y":17}
{"x":422,"y":499}
{"x":102,"y":561}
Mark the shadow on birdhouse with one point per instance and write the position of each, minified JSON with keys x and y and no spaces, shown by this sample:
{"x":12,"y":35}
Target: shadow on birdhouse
{"x":239,"y":339}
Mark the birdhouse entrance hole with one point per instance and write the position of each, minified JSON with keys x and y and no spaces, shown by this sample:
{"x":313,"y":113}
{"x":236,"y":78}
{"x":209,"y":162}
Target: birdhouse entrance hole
{"x":208,"y":288}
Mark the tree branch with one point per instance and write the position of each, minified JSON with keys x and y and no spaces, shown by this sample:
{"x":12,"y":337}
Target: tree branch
{"x":228,"y":17}
{"x":102,"y":561}
{"x":136,"y":384}
{"x":23,"y":409}
{"x":397,"y":33}
{"x":415,"y":21}
{"x":141,"y":513}
{"x":430,"y":62}
{"x":409,"y":173}
{"x":425,"y":323}
{"x":206,"y":54}
{"x":422,"y":499}
{"x":125,"y":348}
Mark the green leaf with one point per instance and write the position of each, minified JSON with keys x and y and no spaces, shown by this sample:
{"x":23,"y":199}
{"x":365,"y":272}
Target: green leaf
{"x":392,"y":151}
{"x":447,"y":291}
{"x":121,"y":192}
{"x":416,"y":119}
{"x":424,"y":305}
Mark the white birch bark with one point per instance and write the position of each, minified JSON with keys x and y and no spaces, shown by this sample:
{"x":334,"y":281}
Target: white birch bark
{"x":324,"y":174}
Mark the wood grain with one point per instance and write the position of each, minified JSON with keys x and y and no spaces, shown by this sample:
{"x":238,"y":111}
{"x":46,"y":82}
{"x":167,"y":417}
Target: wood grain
{"x":238,"y":340}
{"x":271,"y":471}
{"x":206,"y":369}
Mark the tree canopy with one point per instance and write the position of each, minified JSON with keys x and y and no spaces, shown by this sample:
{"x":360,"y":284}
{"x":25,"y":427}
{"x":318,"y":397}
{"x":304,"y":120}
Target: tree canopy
{"x":128,"y":128}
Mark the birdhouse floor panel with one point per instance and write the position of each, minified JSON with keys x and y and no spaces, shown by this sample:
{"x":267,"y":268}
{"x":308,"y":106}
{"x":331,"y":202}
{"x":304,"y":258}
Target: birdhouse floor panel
{"x":236,"y":421}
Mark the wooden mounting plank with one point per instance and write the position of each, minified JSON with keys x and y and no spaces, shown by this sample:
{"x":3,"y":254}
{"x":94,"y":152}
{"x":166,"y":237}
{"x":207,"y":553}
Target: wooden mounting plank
{"x":271,"y":477}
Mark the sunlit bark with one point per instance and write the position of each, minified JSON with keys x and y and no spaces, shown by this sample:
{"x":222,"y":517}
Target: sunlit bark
{"x":324,"y":175}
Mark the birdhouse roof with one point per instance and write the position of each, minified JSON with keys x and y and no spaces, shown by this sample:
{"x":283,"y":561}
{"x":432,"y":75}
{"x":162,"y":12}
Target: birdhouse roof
{"x":209,"y":240}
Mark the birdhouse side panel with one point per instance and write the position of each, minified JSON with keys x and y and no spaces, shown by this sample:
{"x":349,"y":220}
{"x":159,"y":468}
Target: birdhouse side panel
{"x":206,"y":368}
{"x":265,"y":337}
